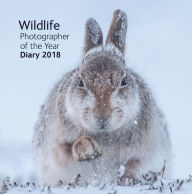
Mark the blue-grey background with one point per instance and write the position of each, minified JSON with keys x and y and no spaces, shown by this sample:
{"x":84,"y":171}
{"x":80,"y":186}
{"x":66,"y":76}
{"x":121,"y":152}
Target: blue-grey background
{"x":159,"y":47}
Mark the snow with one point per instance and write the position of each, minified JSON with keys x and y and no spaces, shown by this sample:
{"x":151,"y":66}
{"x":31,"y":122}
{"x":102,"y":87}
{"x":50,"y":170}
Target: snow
{"x":121,"y":34}
{"x":158,"y":46}
{"x":135,"y":122}
{"x":121,"y":170}
{"x":16,"y":161}
{"x":165,"y":186}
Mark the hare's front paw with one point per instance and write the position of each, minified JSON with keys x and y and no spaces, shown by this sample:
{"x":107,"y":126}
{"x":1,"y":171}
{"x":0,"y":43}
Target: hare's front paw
{"x":85,"y":148}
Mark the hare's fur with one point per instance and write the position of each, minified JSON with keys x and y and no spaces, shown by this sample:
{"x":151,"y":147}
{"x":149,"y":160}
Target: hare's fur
{"x":94,"y":130}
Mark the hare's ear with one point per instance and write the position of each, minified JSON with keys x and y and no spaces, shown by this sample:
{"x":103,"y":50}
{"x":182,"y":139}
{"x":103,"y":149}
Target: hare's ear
{"x":93,"y":35}
{"x":117,"y":30}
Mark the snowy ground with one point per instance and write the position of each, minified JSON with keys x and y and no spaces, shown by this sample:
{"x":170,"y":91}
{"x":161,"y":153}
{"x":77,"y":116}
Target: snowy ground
{"x":18,"y":175}
{"x":161,"y":186}
{"x":158,"y":46}
{"x":185,"y":189}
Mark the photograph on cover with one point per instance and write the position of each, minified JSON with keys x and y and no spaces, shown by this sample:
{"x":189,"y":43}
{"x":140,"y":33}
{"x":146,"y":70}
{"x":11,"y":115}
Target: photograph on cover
{"x":95,"y":96}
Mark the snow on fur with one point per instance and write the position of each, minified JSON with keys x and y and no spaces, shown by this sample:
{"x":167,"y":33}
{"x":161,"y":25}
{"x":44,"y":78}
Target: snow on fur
{"x":122,"y":19}
{"x":94,"y":30}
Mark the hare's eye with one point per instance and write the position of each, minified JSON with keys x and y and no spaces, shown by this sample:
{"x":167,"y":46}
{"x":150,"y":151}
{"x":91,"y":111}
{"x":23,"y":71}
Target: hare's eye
{"x":124,"y":81}
{"x":81,"y":84}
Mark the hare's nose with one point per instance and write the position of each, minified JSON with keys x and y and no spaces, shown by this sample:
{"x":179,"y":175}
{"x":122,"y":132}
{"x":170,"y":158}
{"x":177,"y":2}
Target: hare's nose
{"x":102,"y":123}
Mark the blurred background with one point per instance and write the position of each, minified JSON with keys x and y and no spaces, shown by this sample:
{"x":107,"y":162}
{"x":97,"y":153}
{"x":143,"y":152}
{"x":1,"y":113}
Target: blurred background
{"x":159,"y":47}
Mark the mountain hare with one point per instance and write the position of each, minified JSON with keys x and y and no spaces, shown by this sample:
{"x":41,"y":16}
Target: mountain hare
{"x":101,"y":116}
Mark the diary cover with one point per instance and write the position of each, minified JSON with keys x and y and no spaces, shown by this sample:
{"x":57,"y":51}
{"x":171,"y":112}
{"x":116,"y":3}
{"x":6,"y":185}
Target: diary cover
{"x":43,"y":40}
